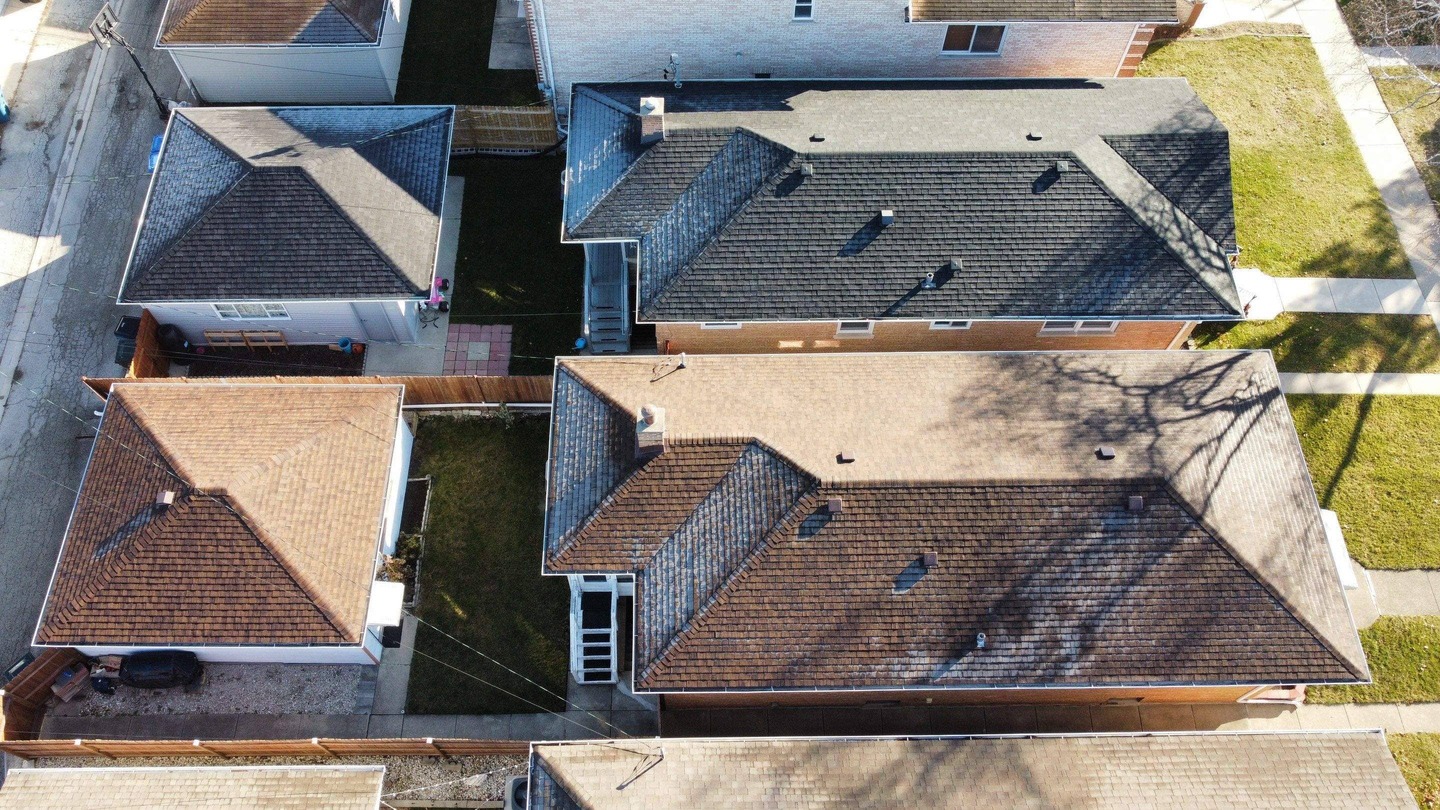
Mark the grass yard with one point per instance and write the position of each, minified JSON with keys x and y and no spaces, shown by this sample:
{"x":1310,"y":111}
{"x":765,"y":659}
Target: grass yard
{"x":447,"y":57}
{"x":1419,"y":125}
{"x":1419,"y":759}
{"x":1404,"y":655}
{"x":1373,"y":461}
{"x":1325,"y":342}
{"x":511,"y":267}
{"x":1304,"y":204}
{"x":480,"y":577}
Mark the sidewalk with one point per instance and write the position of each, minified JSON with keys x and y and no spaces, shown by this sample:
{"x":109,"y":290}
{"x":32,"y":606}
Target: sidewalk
{"x":1356,"y":383}
{"x":1268,"y":296}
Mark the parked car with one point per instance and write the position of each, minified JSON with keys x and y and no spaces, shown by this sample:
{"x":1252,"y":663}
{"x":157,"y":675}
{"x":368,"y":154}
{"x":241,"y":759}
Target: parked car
{"x":160,"y":669}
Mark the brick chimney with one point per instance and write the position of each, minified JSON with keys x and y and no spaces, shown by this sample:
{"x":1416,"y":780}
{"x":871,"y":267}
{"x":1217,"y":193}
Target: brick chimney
{"x":652,"y":120}
{"x":650,"y":432}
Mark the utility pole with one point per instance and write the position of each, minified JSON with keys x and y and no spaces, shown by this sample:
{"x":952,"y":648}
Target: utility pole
{"x":102,"y":28}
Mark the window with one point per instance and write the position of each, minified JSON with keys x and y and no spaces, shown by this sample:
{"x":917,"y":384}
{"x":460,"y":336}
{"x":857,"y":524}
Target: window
{"x":1079,"y":327}
{"x":804,"y":9}
{"x":245,"y":312}
{"x":855,"y":329}
{"x":949,"y":324}
{"x":720,"y":325}
{"x":973,"y":39}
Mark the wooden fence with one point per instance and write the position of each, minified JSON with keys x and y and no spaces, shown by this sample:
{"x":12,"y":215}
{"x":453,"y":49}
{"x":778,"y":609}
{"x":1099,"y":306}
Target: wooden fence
{"x":236,"y":749}
{"x":419,"y":391}
{"x":507,"y":130}
{"x":148,"y":361}
{"x":23,"y":699}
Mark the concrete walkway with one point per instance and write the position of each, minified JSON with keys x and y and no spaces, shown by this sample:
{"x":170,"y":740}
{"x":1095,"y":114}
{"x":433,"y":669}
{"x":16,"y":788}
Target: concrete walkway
{"x":1266,"y":296}
{"x":1406,"y":593}
{"x":1354,"y":383}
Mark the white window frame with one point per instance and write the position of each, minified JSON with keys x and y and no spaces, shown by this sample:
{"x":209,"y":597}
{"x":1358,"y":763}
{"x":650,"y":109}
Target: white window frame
{"x":807,"y":6}
{"x":1071,"y":327}
{"x":721,"y":325}
{"x":975,"y":29}
{"x":849,"y":329}
{"x":955,"y":325}
{"x":268,"y":312}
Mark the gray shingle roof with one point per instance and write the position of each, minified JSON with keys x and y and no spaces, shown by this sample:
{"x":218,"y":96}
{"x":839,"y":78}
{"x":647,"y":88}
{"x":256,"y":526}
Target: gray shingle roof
{"x":987,"y":459}
{"x":730,"y":228}
{"x":293,"y":203}
{"x":1246,"y":771}
{"x":1157,"y":11}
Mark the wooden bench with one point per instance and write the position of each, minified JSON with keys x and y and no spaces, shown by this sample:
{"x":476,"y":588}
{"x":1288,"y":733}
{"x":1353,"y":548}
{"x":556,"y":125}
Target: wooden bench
{"x":235,"y":338}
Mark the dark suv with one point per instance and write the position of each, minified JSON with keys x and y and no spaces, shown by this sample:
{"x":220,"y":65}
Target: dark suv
{"x":160,"y":669}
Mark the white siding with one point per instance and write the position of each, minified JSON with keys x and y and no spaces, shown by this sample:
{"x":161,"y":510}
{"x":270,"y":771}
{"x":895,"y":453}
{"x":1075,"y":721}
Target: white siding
{"x":309,"y":322}
{"x":353,"y":654}
{"x":395,"y":487}
{"x":404,"y":319}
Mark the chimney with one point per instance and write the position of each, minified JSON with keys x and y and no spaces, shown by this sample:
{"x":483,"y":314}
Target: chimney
{"x":165,"y":500}
{"x":650,"y":432}
{"x":652,"y":120}
{"x":887,"y":217}
{"x":1137,"y":503}
{"x":930,"y":559}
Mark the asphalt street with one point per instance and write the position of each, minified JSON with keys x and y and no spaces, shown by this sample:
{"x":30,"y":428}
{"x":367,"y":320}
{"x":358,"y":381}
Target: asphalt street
{"x":74,"y":271}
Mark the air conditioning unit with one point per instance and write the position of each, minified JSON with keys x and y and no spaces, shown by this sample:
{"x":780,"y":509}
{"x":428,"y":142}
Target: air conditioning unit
{"x":517,"y":793}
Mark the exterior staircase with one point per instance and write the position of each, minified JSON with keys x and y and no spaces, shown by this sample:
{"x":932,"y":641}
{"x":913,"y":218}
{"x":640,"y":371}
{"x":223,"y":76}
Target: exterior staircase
{"x":607,"y":317}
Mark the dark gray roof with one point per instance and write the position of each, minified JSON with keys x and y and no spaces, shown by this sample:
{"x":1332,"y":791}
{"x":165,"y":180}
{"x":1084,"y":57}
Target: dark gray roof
{"x":1315,"y":770}
{"x":744,"y":581}
{"x":730,"y":228}
{"x":1157,"y":11}
{"x":293,"y":203}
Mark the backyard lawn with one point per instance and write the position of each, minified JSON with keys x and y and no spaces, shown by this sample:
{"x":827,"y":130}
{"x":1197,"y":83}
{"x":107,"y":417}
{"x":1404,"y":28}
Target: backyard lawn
{"x":1327,"y":342}
{"x":480,"y":575}
{"x":1404,"y":655}
{"x":447,"y":57}
{"x":1304,"y":204}
{"x":1419,"y":124}
{"x":1373,"y":461}
{"x":1419,"y":758}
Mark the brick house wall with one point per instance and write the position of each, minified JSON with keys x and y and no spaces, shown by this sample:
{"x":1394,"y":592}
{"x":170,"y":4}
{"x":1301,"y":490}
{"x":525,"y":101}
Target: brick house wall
{"x":677,"y":701}
{"x":904,"y":336}
{"x":594,"y":41}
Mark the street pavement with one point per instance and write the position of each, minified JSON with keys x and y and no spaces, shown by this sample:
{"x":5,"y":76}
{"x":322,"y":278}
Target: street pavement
{"x":94,"y":127}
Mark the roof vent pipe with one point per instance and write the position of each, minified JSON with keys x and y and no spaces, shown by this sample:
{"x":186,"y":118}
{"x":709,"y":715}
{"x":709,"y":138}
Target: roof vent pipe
{"x":652,"y":120}
{"x":807,"y":169}
{"x":929,"y":282}
{"x":650,"y":431}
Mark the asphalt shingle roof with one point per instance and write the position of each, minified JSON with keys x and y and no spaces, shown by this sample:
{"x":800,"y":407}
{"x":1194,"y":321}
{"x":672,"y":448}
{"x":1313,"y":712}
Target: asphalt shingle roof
{"x":273,"y":22}
{"x":279,"y":494}
{"x":746,"y":582}
{"x":1060,"y":198}
{"x":192,"y":788}
{"x":1246,"y":771}
{"x":1157,"y":11}
{"x":293,"y":203}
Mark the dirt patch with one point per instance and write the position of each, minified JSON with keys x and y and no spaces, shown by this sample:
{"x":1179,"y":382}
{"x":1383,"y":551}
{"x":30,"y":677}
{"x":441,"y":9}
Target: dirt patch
{"x":232,"y":689}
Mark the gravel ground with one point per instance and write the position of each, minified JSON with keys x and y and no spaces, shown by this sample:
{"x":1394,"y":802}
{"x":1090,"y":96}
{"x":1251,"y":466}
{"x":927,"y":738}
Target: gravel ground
{"x":232,"y":689}
{"x":458,"y":779}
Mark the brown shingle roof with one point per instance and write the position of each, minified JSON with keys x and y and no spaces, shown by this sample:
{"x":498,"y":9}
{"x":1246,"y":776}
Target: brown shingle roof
{"x":273,"y":533}
{"x":274,"y":788}
{"x":1304,"y":771}
{"x":272,"y":22}
{"x":988,"y":459}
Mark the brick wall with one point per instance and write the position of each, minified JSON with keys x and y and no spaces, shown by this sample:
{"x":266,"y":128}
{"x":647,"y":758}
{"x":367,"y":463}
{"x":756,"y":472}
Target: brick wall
{"x":593,"y":41}
{"x":895,"y":336}
{"x":957,"y":697}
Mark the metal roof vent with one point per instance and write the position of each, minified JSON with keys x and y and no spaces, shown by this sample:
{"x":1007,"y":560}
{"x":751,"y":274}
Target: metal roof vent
{"x":807,"y":169}
{"x":929,"y":282}
{"x":930,"y":559}
{"x":1137,"y":503}
{"x":835,"y":505}
{"x":887,"y":217}
{"x":845,"y":457}
{"x":956,"y":265}
{"x":165,"y":500}
{"x":817,"y":138}
{"x":1105,"y":452}
{"x":652,"y":119}
{"x":1063,"y":166}
{"x":1034,"y":135}
{"x":980,"y":641}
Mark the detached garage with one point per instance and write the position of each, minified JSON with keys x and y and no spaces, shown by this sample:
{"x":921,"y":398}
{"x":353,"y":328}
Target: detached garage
{"x":287,"y":51}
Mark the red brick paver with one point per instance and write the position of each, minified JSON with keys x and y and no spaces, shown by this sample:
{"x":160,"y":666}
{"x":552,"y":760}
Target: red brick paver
{"x":475,"y":349}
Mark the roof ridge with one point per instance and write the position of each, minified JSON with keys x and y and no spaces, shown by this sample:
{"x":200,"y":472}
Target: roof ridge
{"x":185,"y":18}
{"x":335,"y":207}
{"x":1296,"y":616}
{"x":1181,"y":236}
{"x":313,"y":593}
{"x":359,"y":29}
{"x":743,"y":567}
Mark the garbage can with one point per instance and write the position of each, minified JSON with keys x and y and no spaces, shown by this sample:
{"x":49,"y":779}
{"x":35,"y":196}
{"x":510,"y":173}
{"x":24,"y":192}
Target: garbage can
{"x":180,"y":351}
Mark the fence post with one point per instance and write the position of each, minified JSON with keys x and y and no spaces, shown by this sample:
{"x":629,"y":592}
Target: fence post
{"x":88,"y":748}
{"x":207,"y":749}
{"x":315,"y":741}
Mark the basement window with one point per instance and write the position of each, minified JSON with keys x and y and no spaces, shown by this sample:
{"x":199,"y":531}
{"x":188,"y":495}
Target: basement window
{"x":251,"y":312}
{"x":968,"y":40}
{"x":721,"y":325}
{"x":805,"y":9}
{"x":1079,"y":327}
{"x":949,"y":324}
{"x":855,"y":329}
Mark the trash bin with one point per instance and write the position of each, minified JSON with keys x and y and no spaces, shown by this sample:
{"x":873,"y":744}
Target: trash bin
{"x":174,"y":345}
{"x":125,"y":348}
{"x":129,"y":327}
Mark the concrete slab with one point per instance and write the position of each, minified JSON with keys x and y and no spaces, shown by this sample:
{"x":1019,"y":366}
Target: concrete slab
{"x":539,"y":726}
{"x":1316,"y":716}
{"x":1292,"y":383}
{"x":391,"y":689}
{"x":1258,"y":294}
{"x":1379,"y":715}
{"x":1220,"y":717}
{"x":957,"y":720}
{"x":755,"y":723}
{"x":1420,"y":717}
{"x":1425,"y":384}
{"x":1405,"y":593}
{"x":1355,"y":295}
{"x":636,"y":724}
{"x":1063,"y":719}
{"x":429,"y":725}
{"x":1115,"y":718}
{"x":1335,"y":383}
{"x":1388,"y":383}
{"x":588,"y":697}
{"x":1305,"y":294}
{"x":1272,"y":717}
{"x":1363,"y":607}
{"x":483,"y":726}
{"x":1167,"y":717}
{"x":385,"y":726}
{"x":685,"y":724}
{"x":1011,"y":720}
{"x":1400,"y":296}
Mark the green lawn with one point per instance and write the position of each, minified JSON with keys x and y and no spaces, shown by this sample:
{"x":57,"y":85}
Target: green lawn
{"x":1304,"y":204}
{"x":447,"y":57}
{"x":1373,"y":460}
{"x":1404,"y":656}
{"x":480,"y":576}
{"x":1323,"y":342}
{"x":1419,"y":758}
{"x":511,"y":266}
{"x":1419,"y":124}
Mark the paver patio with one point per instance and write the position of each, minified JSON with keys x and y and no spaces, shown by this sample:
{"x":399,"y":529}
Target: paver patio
{"x":475,"y":349}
